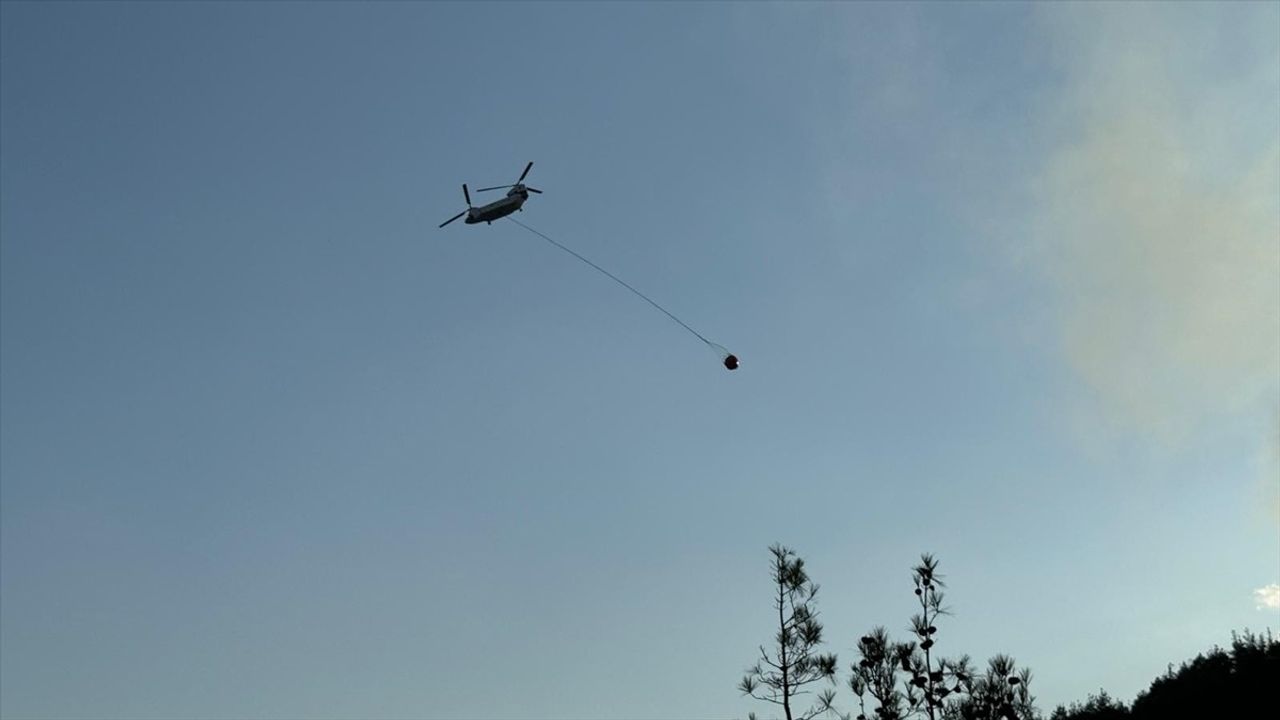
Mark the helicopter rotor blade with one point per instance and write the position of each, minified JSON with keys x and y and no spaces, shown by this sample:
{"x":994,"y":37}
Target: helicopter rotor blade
{"x":455,"y":217}
{"x":495,"y":187}
{"x":466,"y":195}
{"x":532,"y":190}
{"x":526,"y":172}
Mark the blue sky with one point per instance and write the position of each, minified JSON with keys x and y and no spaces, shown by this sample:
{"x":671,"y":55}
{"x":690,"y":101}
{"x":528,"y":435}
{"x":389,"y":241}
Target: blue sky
{"x":1004,"y":279}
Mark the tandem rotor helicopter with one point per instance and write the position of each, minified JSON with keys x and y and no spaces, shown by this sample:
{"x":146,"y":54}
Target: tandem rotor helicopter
{"x":515,"y":199}
{"x":497,"y":209}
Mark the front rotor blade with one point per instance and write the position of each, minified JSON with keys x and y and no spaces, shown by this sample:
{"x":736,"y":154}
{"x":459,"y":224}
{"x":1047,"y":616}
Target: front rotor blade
{"x":455,"y":217}
{"x":466,"y":194}
{"x":532,"y":190}
{"x":526,"y":172}
{"x":495,"y":187}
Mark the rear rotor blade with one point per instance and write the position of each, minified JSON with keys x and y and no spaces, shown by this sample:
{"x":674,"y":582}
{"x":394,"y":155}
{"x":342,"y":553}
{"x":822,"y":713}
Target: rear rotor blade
{"x":495,"y":187}
{"x":526,"y":172}
{"x":466,"y":195}
{"x":455,"y":217}
{"x":532,"y":190}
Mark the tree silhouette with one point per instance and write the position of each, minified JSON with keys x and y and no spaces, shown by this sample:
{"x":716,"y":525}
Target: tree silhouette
{"x":780,"y":676}
{"x":1235,"y":683}
{"x":1002,"y":692}
{"x":876,"y":674}
{"x":911,"y":681}
{"x":933,"y":686}
{"x":1098,"y":707}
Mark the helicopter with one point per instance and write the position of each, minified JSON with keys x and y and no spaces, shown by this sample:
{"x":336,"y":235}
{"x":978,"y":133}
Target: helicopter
{"x":515,"y":199}
{"x":497,"y":209}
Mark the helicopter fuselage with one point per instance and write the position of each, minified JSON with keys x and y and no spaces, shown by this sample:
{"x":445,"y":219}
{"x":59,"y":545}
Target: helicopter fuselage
{"x":497,"y":209}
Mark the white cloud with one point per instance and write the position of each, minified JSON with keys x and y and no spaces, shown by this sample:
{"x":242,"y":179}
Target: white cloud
{"x":1268,"y":597}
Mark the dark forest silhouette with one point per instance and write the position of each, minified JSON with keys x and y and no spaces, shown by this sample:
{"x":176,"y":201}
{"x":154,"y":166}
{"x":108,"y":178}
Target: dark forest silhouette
{"x":1238,"y":682}
{"x":904,"y":680}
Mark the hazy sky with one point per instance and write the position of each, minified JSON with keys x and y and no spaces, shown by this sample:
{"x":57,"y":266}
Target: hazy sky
{"x":1004,"y":280}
